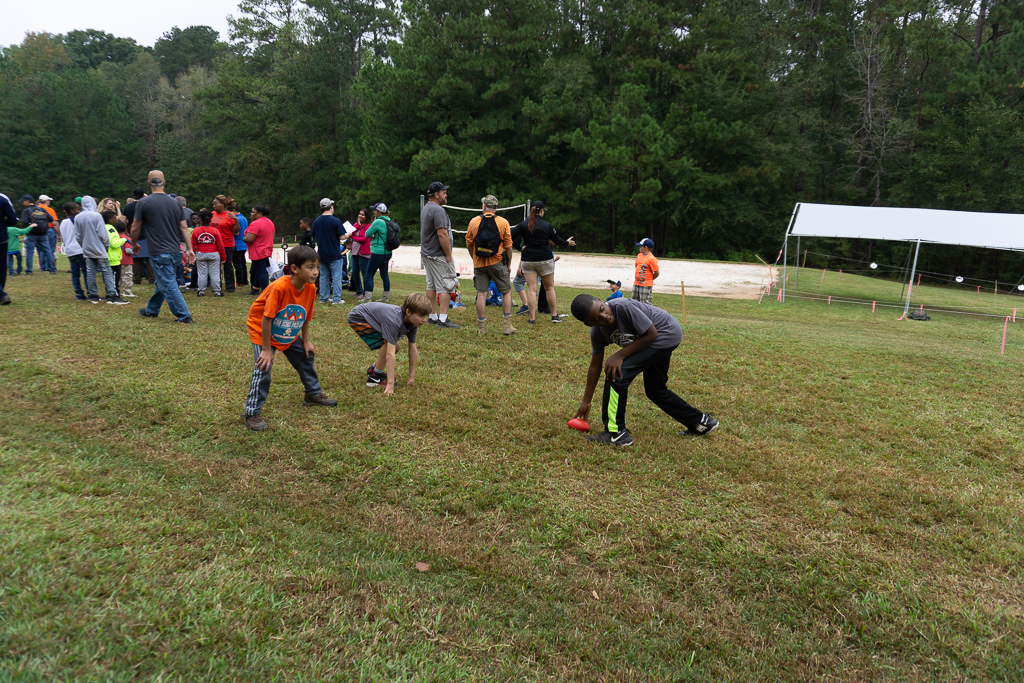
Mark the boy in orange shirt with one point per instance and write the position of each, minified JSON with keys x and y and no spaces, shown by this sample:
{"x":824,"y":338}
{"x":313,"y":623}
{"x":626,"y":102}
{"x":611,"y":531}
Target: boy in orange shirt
{"x":279,"y":320}
{"x":646,"y":272}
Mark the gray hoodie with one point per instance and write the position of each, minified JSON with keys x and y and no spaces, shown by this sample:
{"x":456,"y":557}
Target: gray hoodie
{"x":92,"y":231}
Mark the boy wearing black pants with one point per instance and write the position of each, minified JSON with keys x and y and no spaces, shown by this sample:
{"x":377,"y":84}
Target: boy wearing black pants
{"x":648,"y":336}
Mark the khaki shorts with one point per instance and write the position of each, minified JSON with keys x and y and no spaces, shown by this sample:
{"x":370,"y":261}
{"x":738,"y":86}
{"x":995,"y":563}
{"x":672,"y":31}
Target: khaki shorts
{"x":498,"y":272}
{"x":441,"y":275}
{"x":542,"y":268}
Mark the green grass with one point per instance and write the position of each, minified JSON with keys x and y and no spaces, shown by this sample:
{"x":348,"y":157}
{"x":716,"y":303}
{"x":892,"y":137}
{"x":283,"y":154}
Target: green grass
{"x":857,"y":517}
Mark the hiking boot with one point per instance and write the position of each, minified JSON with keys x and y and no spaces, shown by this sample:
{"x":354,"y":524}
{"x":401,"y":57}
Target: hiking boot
{"x":706,"y":425}
{"x":606,"y":438}
{"x":506,"y":326}
{"x":256,"y":423}
{"x":146,"y":314}
{"x":523,"y":310}
{"x":448,"y":324}
{"x":320,"y":399}
{"x":481,"y":327}
{"x":386,"y":296}
{"x":117,"y":301}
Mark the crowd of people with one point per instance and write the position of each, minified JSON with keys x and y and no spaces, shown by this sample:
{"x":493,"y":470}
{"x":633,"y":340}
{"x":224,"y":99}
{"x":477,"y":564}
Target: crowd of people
{"x":177,"y":249}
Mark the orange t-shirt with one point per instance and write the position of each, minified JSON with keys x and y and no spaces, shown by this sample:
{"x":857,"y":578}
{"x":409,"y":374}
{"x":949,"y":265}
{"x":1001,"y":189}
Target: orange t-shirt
{"x":288,"y":307}
{"x":645,"y":265}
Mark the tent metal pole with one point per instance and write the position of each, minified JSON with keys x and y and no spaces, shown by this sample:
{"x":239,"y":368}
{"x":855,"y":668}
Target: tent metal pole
{"x":785,"y":264}
{"x":910,"y":286}
{"x":796,"y":280}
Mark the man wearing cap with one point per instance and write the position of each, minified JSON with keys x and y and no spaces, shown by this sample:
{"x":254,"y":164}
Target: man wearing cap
{"x":329,"y":231}
{"x":37,"y":239}
{"x":489,"y":240}
{"x":436,"y":253}
{"x":646,"y":272}
{"x":51,"y":234}
{"x":164,"y":222}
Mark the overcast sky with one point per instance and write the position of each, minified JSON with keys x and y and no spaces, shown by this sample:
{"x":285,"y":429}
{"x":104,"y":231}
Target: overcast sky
{"x":143,"y":21}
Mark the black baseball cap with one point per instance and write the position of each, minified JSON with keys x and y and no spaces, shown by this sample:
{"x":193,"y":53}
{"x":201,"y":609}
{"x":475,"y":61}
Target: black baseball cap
{"x":537,"y":204}
{"x":27,"y":198}
{"x":436,"y":186}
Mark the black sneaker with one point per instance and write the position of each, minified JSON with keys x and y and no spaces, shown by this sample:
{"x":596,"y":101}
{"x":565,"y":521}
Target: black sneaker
{"x":448,"y":324}
{"x":80,"y":297}
{"x":320,"y":399}
{"x":375,"y":380}
{"x":117,"y":301}
{"x":523,"y":310}
{"x":186,"y":321}
{"x":706,"y":425}
{"x":608,"y":439}
{"x":94,"y":299}
{"x":5,"y":300}
{"x":218,"y":294}
{"x":556,"y":319}
{"x":146,"y":314}
{"x":200,"y":293}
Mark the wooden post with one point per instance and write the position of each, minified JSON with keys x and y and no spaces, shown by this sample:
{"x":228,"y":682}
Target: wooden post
{"x":682,"y":287}
{"x":804,"y":264}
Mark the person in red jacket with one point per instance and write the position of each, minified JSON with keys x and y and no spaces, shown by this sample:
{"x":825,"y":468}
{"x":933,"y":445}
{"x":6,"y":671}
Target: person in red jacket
{"x":208,"y":245}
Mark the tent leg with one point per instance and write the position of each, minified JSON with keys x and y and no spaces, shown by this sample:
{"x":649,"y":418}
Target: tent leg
{"x":913,"y":270}
{"x":785,"y":264}
{"x":796,"y":280}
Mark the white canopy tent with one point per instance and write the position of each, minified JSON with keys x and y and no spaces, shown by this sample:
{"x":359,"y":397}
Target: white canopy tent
{"x":964,"y":228}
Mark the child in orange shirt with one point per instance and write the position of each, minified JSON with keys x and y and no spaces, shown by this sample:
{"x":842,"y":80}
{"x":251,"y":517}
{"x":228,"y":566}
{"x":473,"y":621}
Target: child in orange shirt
{"x":279,"y":320}
{"x":646,"y":272}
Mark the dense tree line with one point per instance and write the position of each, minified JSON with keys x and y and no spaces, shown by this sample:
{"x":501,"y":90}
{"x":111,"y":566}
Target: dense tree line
{"x":696,"y":122}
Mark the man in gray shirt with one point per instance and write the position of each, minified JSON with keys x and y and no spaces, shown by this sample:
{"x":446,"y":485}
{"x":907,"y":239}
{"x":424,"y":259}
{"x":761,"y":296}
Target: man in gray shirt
{"x":648,"y":336}
{"x":436,"y":253}
{"x":166,"y":231}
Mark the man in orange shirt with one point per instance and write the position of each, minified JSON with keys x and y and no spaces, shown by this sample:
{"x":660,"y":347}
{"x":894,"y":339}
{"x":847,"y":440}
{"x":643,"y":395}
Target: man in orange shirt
{"x":489,"y":240}
{"x":646,"y":272}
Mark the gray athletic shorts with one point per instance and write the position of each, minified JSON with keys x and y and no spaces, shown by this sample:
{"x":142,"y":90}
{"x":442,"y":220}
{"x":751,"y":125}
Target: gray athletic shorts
{"x":441,"y":275}
{"x":542,"y":268}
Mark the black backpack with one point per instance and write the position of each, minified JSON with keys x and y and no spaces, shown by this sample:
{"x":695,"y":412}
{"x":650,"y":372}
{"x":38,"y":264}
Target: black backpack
{"x":488,"y":238}
{"x":40,"y":221}
{"x":394,"y":240}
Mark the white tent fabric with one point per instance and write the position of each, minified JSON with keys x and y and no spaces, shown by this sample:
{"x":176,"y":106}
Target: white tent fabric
{"x":966,"y":228}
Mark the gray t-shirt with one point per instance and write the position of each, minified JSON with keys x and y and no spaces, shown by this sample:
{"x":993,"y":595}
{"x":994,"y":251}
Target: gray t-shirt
{"x":386,"y":319}
{"x":632,"y":319}
{"x":432,"y":219}
{"x":160,"y":216}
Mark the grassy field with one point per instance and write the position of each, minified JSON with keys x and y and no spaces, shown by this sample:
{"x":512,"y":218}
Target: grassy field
{"x":858,"y":516}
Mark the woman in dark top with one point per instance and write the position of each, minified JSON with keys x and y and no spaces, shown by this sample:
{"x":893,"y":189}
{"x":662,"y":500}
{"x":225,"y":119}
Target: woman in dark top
{"x":538,"y":261}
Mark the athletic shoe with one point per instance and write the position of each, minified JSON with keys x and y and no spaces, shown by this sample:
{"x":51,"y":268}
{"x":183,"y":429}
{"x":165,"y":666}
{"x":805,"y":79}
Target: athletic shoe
{"x":606,"y":438}
{"x":337,"y":303}
{"x":80,"y":297}
{"x":532,"y":322}
{"x":186,"y":321}
{"x":117,"y":301}
{"x":131,"y":296}
{"x":556,"y":319}
{"x":146,"y":314}
{"x":323,"y":301}
{"x":448,"y":324}
{"x":523,"y":310}
{"x":200,"y":293}
{"x":706,"y":425}
{"x":94,"y":299}
{"x":6,"y":300}
{"x":256,"y":423}
{"x":376,"y":380}
{"x":319,"y":400}
{"x":218,"y":294}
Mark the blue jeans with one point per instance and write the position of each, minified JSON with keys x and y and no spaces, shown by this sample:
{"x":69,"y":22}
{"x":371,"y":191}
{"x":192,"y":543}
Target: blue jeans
{"x":78,"y":272}
{"x":378,"y":262}
{"x":335,"y":271}
{"x":102,"y":265}
{"x":51,"y":253}
{"x":358,"y":273}
{"x":32,"y":243}
{"x":10,"y":262}
{"x":166,"y":286}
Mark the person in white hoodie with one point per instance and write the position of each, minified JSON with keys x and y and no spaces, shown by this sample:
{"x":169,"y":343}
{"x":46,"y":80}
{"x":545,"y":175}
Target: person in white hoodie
{"x":72,"y":249}
{"x":94,"y":240}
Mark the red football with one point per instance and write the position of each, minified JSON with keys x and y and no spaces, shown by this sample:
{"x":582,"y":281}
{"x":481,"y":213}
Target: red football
{"x":579,"y":424}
